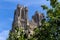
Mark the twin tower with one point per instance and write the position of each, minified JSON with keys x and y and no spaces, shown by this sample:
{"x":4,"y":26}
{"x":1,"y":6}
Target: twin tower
{"x":21,"y":19}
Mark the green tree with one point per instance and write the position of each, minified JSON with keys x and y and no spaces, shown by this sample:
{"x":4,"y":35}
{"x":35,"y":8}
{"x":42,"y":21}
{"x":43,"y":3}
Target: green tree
{"x":50,"y":29}
{"x":17,"y":34}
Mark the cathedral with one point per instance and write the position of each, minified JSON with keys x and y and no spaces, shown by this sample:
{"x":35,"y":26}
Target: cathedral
{"x":21,"y":19}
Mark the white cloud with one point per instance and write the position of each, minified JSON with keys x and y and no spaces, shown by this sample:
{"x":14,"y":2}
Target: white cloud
{"x":4,"y":35}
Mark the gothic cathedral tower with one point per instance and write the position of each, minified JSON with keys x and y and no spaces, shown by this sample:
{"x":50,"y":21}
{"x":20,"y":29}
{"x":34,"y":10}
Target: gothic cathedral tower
{"x":21,"y":20}
{"x":20,"y":17}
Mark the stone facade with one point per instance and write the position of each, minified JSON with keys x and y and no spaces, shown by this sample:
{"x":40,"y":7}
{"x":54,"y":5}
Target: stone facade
{"x":21,"y":19}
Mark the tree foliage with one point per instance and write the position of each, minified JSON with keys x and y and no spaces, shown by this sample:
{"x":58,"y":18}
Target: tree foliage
{"x":51,"y":27}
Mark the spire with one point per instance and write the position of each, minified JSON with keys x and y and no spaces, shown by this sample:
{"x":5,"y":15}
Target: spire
{"x":18,"y":5}
{"x":26,"y":9}
{"x":36,"y":12}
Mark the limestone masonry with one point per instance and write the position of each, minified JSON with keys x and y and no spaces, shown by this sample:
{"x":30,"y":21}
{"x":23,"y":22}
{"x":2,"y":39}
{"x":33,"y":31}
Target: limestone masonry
{"x":21,"y":19}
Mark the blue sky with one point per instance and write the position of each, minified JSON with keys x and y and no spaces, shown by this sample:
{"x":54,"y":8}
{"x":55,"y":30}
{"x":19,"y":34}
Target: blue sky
{"x":7,"y":8}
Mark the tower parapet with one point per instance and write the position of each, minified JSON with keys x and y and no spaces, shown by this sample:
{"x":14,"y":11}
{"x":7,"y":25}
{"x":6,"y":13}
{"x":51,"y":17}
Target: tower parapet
{"x":37,"y":18}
